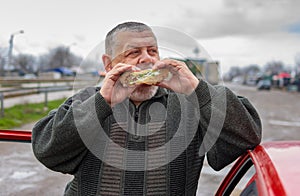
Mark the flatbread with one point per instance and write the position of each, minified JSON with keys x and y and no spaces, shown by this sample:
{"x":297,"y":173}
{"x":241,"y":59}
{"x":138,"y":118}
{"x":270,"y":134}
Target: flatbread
{"x":147,"y":76}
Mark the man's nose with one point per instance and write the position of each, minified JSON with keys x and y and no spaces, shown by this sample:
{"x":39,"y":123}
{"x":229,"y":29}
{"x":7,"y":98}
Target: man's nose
{"x":145,"y":57}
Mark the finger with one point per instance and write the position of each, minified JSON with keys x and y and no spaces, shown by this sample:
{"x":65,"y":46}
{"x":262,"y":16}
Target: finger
{"x":164,"y":84}
{"x":159,"y":65}
{"x":118,"y":70}
{"x":173,"y":64}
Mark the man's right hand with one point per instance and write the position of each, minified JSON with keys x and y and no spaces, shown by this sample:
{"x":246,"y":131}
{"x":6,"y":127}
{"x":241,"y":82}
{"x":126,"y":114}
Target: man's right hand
{"x":112,"y":90}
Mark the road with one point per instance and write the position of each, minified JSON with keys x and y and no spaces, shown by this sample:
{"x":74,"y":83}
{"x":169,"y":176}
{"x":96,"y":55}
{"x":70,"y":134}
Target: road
{"x":279,"y":110}
{"x":22,"y":174}
{"x":280,"y":114}
{"x":37,"y":98}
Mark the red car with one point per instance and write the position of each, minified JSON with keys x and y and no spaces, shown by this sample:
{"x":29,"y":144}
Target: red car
{"x":270,"y":169}
{"x":15,"y":135}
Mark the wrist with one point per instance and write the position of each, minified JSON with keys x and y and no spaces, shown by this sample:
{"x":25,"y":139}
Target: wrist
{"x":194,"y":84}
{"x":107,"y":99}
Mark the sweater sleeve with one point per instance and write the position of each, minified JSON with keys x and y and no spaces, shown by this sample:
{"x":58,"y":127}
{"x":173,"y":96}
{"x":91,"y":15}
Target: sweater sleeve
{"x":230,"y":125}
{"x":56,"y":140}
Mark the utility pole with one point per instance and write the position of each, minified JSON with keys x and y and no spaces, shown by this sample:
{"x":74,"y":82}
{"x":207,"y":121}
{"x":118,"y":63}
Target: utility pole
{"x":10,"y":49}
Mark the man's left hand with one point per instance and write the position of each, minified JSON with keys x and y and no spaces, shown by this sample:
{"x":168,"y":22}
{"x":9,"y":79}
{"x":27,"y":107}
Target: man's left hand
{"x":182,"y":81}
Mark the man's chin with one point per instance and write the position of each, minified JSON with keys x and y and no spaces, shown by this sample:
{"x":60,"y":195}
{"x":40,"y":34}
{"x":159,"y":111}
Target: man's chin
{"x":143,"y":92}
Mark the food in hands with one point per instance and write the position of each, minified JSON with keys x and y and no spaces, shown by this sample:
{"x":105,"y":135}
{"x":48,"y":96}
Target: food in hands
{"x":147,"y":76}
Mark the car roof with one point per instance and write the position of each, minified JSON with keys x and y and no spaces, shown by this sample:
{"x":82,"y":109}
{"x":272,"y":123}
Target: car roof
{"x":284,"y":158}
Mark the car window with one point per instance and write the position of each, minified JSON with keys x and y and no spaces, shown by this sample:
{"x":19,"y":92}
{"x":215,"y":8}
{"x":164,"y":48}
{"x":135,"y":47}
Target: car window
{"x":250,"y":190}
{"x":246,"y":182}
{"x":242,"y":178}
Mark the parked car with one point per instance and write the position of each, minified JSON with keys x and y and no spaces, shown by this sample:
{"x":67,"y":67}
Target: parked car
{"x":264,"y":85}
{"x":15,"y":136}
{"x":270,"y":169}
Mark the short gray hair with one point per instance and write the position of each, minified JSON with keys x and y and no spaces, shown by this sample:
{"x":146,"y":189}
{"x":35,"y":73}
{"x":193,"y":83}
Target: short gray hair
{"x":126,"y":26}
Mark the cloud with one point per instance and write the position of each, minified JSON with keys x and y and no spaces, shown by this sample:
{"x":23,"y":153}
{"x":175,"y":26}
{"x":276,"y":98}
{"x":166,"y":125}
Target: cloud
{"x":245,"y":50}
{"x":237,"y":32}
{"x":233,"y":17}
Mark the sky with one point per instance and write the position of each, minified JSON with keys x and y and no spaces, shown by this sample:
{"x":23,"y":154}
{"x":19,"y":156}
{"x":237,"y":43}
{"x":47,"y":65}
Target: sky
{"x":233,"y":32}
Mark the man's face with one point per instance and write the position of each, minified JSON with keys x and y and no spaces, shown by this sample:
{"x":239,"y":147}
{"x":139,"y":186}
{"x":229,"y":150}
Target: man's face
{"x":137,"y":49}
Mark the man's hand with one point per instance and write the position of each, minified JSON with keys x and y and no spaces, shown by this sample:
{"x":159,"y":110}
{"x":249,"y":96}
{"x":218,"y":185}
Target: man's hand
{"x":183,"y":80}
{"x":112,"y":90}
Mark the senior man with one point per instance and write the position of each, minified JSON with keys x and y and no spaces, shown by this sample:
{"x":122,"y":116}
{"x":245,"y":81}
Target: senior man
{"x":144,"y":139}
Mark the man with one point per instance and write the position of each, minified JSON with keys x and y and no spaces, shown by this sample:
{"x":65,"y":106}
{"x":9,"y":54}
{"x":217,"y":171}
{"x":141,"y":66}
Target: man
{"x":144,"y":139}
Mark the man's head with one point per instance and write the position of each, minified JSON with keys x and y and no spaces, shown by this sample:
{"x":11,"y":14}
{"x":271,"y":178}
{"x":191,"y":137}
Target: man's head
{"x":132,"y":43}
{"x":110,"y":39}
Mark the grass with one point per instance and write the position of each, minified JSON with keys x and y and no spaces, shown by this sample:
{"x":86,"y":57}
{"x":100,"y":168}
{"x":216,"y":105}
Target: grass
{"x":19,"y":115}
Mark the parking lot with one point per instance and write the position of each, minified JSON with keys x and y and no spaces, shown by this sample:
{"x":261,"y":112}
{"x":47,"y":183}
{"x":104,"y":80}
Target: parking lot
{"x":280,"y":114}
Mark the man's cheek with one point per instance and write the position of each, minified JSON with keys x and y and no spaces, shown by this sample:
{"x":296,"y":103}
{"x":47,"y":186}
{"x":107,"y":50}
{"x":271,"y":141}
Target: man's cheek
{"x":131,"y":62}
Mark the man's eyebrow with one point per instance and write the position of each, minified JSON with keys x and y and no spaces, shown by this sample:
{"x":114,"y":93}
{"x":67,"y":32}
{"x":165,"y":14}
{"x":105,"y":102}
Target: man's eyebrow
{"x":132,"y":46}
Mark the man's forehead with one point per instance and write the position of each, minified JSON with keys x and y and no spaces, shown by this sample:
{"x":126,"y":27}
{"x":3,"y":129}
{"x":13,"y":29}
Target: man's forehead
{"x":127,"y":40}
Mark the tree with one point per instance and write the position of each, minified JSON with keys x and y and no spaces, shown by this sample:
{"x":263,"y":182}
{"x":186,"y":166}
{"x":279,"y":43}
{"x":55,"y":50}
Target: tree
{"x":62,"y":57}
{"x":252,"y":69}
{"x":234,"y":71}
{"x":26,"y":63}
{"x":3,"y":59}
{"x":274,"y":67}
{"x":297,"y":59}
{"x":43,"y":62}
{"x":297,"y":62}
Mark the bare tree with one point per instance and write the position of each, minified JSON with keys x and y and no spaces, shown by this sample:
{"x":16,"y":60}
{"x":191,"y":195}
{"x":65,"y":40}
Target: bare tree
{"x":234,"y":71}
{"x":26,"y":63}
{"x":252,"y":69}
{"x":297,"y":59}
{"x":274,"y":67}
{"x":297,"y":63}
{"x":3,"y":59}
{"x":62,"y":57}
{"x":43,"y":62}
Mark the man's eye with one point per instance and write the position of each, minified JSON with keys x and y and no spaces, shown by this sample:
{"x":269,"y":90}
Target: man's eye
{"x":153,"y":51}
{"x":133,"y":53}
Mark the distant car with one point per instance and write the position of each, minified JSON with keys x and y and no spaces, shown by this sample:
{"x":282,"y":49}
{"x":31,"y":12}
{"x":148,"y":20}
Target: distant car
{"x":29,"y":76}
{"x":238,"y":80}
{"x":264,"y":85}
{"x":270,"y":169}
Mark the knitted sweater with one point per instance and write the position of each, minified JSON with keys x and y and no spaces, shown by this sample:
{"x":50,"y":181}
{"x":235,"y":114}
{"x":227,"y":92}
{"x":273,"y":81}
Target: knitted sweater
{"x":155,"y":149}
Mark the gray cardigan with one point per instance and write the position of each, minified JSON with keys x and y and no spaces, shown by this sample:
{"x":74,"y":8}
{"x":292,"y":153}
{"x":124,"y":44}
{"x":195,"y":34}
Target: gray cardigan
{"x":225,"y":126}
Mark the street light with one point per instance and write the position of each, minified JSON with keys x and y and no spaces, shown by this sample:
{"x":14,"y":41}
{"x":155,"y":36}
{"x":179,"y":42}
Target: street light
{"x":10,"y":49}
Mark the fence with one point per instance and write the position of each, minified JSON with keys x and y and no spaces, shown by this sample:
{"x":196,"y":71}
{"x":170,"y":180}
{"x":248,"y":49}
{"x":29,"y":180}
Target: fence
{"x":19,"y":88}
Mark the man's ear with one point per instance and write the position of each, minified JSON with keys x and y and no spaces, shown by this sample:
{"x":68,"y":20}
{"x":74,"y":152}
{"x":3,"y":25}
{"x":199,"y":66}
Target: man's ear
{"x":106,"y":59}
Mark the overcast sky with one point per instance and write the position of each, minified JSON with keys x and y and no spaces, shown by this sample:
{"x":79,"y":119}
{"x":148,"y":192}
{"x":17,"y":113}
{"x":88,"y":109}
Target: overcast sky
{"x":234,"y":32}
